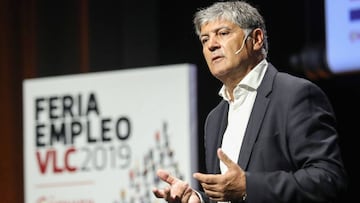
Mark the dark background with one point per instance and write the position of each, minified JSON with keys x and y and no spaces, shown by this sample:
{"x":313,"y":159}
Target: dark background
{"x":40,"y":38}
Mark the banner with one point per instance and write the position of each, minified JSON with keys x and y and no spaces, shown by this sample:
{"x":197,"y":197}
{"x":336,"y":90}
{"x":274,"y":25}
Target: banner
{"x":100,"y":137}
{"x":342,"y":23}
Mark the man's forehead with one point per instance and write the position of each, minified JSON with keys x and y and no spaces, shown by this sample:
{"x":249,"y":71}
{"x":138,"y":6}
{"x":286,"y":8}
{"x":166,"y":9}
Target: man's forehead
{"x":214,"y":25}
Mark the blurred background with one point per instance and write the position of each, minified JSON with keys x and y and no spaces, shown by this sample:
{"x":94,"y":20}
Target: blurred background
{"x":40,"y":38}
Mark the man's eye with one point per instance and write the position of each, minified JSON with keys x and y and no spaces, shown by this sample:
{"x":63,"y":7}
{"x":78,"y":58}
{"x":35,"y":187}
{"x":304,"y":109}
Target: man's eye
{"x":223,"y":33}
{"x":204,"y":40}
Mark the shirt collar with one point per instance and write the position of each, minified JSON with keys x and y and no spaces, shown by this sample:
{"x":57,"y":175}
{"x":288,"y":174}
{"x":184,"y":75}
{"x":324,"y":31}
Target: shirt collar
{"x":250,"y":82}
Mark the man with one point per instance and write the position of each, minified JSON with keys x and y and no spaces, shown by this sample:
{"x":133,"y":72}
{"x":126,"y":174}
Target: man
{"x":272,"y":138}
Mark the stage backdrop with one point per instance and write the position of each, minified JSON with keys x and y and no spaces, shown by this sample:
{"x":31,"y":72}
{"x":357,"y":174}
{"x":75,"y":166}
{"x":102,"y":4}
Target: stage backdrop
{"x":100,"y":137}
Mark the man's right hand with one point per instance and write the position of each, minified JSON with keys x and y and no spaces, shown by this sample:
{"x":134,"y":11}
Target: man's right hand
{"x":177,"y":191}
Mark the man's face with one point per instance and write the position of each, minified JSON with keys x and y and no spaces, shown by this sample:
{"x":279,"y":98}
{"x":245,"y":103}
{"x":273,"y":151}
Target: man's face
{"x":221,"y":39}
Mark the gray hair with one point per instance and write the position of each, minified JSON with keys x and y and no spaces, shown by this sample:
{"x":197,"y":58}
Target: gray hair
{"x":241,"y":13}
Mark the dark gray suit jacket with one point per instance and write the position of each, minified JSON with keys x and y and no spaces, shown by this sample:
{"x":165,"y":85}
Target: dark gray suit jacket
{"x":290,"y":150}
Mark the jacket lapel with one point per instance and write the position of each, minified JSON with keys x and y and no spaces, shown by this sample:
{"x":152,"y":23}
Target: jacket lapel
{"x":256,"y":117}
{"x":223,"y":123}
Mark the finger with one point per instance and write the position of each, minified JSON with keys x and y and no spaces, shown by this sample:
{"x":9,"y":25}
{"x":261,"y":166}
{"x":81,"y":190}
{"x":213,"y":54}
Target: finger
{"x":187,"y":194}
{"x":212,"y":186}
{"x":178,"y":191}
{"x":214,"y":195}
{"x":224,"y":158}
{"x":165,"y":176}
{"x":212,"y":192}
{"x":206,"y":178}
{"x":159,"y":193}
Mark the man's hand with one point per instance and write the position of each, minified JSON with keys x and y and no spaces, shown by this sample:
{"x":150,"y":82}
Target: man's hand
{"x":224,"y":187}
{"x":177,"y":190}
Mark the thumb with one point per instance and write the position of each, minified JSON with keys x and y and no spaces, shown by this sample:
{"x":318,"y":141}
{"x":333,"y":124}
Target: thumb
{"x":224,"y":158}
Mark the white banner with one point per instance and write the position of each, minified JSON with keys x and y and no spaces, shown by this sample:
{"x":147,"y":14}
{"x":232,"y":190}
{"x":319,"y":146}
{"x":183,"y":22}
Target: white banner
{"x":99,"y":137}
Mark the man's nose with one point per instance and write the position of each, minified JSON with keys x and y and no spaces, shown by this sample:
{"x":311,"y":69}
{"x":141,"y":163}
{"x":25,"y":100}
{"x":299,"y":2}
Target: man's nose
{"x":213,"y":44}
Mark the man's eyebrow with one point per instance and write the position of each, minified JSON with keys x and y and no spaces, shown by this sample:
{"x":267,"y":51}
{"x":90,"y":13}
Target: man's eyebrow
{"x":215,"y":30}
